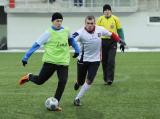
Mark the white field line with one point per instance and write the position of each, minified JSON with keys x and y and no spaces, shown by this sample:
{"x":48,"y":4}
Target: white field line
{"x":127,"y":50}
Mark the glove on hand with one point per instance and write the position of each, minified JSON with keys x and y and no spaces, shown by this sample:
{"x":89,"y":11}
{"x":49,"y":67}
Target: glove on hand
{"x":75,"y":55}
{"x":122,"y":45}
{"x":24,"y":62}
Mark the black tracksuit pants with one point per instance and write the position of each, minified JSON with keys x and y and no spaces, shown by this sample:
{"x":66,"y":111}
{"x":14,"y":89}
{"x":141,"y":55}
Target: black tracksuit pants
{"x":86,"y":69}
{"x":47,"y":71}
{"x":109,"y":48}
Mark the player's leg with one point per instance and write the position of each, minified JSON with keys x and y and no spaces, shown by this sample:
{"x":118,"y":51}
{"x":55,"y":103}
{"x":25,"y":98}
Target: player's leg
{"x":105,"y":48}
{"x":45,"y":73}
{"x":111,"y":63}
{"x":92,"y":71}
{"x":62,"y":73}
{"x":81,"y":74}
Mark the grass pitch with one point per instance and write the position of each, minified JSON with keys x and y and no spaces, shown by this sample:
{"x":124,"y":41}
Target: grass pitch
{"x":135,"y":93}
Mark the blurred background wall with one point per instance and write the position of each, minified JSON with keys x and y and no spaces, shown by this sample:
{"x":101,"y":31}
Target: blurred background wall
{"x":27,"y":19}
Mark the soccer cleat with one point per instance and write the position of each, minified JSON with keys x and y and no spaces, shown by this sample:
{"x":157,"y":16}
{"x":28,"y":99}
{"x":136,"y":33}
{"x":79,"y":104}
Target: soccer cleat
{"x":76,"y":86}
{"x":109,"y":82}
{"x":58,"y":109}
{"x":24,"y":79}
{"x":77,"y":102}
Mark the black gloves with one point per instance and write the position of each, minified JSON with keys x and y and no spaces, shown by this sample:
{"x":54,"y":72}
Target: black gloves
{"x":75,"y":55}
{"x":24,"y":62}
{"x":122,"y":45}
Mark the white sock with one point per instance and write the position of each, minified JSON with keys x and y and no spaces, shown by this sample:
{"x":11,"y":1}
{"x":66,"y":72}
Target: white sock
{"x":84,"y":88}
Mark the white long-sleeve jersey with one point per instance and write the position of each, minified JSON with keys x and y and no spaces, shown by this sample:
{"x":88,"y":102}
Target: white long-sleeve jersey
{"x":90,"y":43}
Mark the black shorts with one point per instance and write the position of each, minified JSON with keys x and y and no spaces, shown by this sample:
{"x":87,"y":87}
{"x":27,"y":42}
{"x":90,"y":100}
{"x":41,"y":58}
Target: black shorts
{"x":88,"y":69}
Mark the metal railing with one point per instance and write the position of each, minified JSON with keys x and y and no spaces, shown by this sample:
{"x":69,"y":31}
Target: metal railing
{"x":70,"y":6}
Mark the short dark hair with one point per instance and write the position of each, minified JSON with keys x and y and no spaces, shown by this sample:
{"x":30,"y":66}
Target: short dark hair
{"x":56,"y":15}
{"x":90,"y":18}
{"x":106,"y":7}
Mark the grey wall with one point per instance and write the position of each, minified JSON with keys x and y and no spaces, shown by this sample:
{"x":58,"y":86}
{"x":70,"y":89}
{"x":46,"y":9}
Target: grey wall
{"x":139,"y":32}
{"x":24,"y":29}
{"x":1,"y":2}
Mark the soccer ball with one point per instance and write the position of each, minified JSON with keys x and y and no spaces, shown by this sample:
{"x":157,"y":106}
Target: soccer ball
{"x":51,"y":103}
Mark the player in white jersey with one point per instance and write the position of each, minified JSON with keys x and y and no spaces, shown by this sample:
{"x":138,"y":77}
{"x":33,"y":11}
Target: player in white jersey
{"x":89,"y":58}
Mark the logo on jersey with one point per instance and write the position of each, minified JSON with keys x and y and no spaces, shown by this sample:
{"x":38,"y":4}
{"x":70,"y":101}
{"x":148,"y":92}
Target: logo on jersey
{"x":61,"y":44}
{"x":112,"y":26}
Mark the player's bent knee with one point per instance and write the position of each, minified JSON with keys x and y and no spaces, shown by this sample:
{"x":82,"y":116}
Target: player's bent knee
{"x":89,"y":82}
{"x":39,"y":83}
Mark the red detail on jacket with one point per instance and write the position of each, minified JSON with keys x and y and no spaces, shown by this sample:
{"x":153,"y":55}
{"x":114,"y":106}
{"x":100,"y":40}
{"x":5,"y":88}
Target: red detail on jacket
{"x":115,"y":37}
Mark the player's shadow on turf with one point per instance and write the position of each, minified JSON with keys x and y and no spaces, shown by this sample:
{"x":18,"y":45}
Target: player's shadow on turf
{"x":84,"y":112}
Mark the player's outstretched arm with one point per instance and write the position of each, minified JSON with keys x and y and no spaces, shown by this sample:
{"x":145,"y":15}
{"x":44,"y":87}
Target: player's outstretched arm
{"x":27,"y":55}
{"x":117,"y":39}
{"x":75,"y":46}
{"x":121,"y":34}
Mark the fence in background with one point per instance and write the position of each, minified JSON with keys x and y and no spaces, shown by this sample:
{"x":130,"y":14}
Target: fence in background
{"x":12,"y":6}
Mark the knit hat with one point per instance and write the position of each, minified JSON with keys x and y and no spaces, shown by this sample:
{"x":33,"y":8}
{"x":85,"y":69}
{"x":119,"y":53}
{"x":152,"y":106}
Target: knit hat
{"x":56,"y":15}
{"x":106,"y":7}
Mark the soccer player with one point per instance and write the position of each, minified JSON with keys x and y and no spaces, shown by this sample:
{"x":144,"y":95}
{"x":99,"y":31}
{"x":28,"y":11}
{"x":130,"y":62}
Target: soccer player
{"x":89,"y":58}
{"x":56,"y":56}
{"x":109,"y":46}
